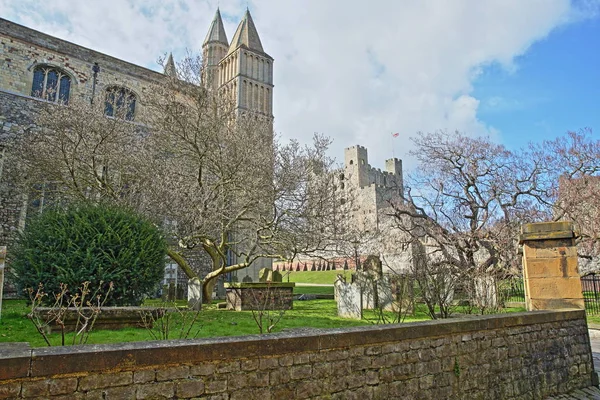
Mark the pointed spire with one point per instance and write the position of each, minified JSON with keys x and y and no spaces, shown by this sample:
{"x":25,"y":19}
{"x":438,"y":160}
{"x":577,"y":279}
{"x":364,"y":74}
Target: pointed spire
{"x":216,"y":33}
{"x":170,"y":69}
{"x":247,"y":35}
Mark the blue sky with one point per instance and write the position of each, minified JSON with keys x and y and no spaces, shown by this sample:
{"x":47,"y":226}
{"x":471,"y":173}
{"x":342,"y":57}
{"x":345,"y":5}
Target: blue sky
{"x":517,"y":70}
{"x":555,"y":87}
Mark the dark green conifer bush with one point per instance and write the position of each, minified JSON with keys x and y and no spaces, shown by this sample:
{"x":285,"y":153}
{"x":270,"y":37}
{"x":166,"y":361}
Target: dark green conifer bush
{"x":95,"y":243}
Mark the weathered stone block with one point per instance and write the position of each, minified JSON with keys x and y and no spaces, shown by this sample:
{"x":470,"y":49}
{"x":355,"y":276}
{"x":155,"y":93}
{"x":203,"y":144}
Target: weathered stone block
{"x":172,"y":373}
{"x":97,"y":381}
{"x":269,"y":363}
{"x":216,"y":386}
{"x":555,"y":288}
{"x":35,"y":389}
{"x":59,"y":386}
{"x":280,"y":376}
{"x":115,"y":393}
{"x":557,"y":267}
{"x":237,"y":381}
{"x":203,"y":369}
{"x":143,"y":376}
{"x":157,"y":390}
{"x":308,"y":388}
{"x":189,"y":388}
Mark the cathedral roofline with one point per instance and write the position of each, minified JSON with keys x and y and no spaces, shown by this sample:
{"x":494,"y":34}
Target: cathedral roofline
{"x":43,"y":40}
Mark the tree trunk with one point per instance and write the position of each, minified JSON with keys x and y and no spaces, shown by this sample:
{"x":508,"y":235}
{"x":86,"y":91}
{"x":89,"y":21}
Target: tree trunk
{"x":208,"y":285}
{"x":185,"y":267}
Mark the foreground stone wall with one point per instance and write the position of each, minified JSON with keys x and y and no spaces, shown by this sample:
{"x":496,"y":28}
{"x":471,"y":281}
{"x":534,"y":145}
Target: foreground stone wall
{"x":518,"y":356}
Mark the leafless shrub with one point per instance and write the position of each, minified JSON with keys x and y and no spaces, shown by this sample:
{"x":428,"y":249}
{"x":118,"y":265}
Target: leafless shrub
{"x":85,"y":303}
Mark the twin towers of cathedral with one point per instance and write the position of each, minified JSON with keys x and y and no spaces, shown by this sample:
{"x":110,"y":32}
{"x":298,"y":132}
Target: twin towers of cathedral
{"x":240,"y":69}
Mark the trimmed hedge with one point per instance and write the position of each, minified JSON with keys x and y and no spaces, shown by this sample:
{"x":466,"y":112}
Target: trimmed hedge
{"x":95,"y":243}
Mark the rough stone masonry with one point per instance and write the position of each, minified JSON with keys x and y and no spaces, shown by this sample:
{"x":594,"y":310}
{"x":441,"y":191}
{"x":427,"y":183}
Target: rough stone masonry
{"x":513,"y":356}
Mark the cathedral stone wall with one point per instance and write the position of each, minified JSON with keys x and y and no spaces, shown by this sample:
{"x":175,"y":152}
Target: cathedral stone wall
{"x":22,"y":49}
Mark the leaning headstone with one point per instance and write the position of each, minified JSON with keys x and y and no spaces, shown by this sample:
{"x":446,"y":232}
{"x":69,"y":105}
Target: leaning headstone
{"x":171,"y":292}
{"x":349,"y":299}
{"x":276,"y":277}
{"x":268,"y":275}
{"x":486,"y":295}
{"x":373,"y":267}
{"x":194,"y":295}
{"x":2,"y":258}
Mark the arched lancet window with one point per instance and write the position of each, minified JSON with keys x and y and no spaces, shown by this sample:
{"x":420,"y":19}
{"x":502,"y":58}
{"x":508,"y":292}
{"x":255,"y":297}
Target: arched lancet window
{"x":50,"y":83}
{"x":120,"y":103}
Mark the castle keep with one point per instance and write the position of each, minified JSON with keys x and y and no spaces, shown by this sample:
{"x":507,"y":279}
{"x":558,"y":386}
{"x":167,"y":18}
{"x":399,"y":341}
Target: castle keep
{"x":37,"y":69}
{"x":372,"y":189}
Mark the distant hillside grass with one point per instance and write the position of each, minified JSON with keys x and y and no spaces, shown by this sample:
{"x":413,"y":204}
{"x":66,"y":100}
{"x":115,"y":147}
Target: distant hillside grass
{"x":319,"y":277}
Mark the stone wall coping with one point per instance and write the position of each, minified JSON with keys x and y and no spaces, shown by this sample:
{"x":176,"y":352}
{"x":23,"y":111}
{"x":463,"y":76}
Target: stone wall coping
{"x":546,"y":230}
{"x":21,"y":362}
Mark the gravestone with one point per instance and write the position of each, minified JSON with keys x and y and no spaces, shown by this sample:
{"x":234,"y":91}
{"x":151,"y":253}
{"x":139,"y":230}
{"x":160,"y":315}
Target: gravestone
{"x":194,"y":295}
{"x":486,"y":294}
{"x":373,"y":267}
{"x":171,"y":293}
{"x":247,"y":279}
{"x":349,"y":299}
{"x":268,"y":275}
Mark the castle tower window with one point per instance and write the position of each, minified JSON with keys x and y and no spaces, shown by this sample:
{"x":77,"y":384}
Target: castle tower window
{"x":51,"y":84}
{"x":120,"y":103}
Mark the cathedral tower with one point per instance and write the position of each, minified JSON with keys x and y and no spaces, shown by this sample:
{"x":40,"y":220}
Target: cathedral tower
{"x":214,"y":49}
{"x":246,"y":71}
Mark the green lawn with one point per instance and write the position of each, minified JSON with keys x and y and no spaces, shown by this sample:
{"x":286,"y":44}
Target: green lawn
{"x":314,"y":290}
{"x":15,"y":327}
{"x":320,"y":277}
{"x":213,"y":322}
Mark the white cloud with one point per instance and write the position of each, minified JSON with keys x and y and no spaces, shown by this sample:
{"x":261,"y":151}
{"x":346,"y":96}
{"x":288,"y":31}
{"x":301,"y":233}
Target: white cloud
{"x":353,"y":70}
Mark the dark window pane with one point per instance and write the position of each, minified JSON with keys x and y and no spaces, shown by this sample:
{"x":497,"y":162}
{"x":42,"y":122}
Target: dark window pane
{"x":65,"y":87}
{"x":120,"y":99}
{"x":109,"y":103}
{"x":130,"y":108}
{"x":120,"y":103}
{"x":51,"y":85}
{"x":38,"y":83}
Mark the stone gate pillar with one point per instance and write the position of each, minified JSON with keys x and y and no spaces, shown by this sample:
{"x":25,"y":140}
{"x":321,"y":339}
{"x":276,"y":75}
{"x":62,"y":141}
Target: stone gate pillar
{"x":550,"y":272}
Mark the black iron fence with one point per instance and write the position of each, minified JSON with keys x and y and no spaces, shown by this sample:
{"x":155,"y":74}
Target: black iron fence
{"x":511,"y":290}
{"x":590,"y":285}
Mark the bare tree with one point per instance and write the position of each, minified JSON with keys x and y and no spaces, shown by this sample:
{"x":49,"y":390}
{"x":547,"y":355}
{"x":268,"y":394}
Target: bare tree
{"x":224,"y":184}
{"x":574,"y":161}
{"x":466,"y":202}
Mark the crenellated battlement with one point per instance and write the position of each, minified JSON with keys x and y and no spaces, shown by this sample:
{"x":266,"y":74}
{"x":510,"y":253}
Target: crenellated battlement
{"x":362,"y":174}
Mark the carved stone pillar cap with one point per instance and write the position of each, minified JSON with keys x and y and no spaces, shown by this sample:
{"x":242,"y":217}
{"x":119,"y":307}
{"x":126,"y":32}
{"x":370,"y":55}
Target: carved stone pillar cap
{"x":546,"y":230}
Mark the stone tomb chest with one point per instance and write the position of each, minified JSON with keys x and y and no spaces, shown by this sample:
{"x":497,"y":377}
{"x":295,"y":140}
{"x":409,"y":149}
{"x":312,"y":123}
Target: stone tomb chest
{"x":259,"y":296}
